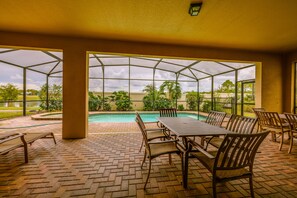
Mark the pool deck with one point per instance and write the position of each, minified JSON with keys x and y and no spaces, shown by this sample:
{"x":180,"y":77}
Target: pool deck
{"x":107,"y":164}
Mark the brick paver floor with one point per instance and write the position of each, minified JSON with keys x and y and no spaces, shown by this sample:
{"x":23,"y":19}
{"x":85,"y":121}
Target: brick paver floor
{"x":107,"y":164}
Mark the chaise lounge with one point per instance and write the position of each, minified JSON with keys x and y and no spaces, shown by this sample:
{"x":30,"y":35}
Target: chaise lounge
{"x":13,"y":140}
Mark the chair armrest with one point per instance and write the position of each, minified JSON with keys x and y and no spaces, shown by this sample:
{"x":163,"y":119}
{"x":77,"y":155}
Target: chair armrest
{"x":201,"y":150}
{"x":10,"y":136}
{"x":151,"y":122}
{"x":162,"y":142}
{"x":153,"y":129}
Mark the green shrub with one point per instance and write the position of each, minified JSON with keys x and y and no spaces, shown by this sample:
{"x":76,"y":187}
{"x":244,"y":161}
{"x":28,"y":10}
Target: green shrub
{"x":206,"y":106}
{"x":181,"y":107}
{"x":191,"y":99}
{"x":94,"y":102}
{"x":55,"y":97}
{"x":162,"y":103}
{"x":122,"y":100}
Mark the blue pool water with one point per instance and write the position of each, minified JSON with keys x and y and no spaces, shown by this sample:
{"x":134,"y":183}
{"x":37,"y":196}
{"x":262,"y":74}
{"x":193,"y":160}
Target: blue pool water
{"x":130,"y":117}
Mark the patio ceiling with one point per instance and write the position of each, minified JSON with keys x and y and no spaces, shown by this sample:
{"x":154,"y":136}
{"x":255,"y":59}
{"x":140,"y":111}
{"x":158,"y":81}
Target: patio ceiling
{"x":51,"y":64}
{"x":251,"y":25}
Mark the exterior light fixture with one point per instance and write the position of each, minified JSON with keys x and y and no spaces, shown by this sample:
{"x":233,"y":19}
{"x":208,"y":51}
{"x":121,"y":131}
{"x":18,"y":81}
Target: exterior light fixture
{"x":195,"y":9}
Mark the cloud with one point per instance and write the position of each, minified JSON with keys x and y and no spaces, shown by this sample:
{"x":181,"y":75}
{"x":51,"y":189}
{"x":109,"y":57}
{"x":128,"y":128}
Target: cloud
{"x":16,"y":77}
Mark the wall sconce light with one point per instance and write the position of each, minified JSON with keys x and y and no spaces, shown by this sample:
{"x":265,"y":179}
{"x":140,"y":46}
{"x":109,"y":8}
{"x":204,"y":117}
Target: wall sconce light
{"x":195,"y":9}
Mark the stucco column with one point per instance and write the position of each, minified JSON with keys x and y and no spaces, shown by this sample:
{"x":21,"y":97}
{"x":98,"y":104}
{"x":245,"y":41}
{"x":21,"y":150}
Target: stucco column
{"x":75,"y":93}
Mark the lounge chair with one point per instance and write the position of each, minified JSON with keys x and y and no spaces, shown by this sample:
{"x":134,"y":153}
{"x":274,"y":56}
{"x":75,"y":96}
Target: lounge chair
{"x":13,"y":140}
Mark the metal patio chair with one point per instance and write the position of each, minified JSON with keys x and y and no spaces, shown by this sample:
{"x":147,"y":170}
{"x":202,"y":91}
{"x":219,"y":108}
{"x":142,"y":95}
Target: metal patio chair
{"x":233,"y":160}
{"x":292,"y":120}
{"x":256,"y":110}
{"x":238,"y":124}
{"x":168,"y":112}
{"x":272,"y":122}
{"x":214,"y":118}
{"x":152,"y":133}
{"x":155,"y":149}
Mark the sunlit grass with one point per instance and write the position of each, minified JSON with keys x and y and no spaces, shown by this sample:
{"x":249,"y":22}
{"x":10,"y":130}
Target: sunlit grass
{"x":12,"y":114}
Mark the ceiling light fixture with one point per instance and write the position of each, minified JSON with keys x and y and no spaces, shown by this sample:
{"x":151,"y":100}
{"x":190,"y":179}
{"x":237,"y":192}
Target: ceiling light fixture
{"x":195,"y":9}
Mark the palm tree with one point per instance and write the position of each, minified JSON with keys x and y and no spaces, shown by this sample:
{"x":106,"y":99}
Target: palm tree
{"x":172,"y":89}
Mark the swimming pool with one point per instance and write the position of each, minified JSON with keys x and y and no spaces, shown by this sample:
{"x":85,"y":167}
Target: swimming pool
{"x":130,"y":117}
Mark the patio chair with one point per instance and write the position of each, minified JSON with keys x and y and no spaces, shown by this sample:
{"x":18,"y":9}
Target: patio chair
{"x":238,"y":124}
{"x":292,"y":120}
{"x":272,"y":122}
{"x":152,"y":133}
{"x":214,"y":118}
{"x":256,"y":110}
{"x":168,"y":112}
{"x":233,"y":160}
{"x":11,"y":141}
{"x":155,"y":149}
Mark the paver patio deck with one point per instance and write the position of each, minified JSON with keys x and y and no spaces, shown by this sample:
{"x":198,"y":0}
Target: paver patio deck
{"x":107,"y":164}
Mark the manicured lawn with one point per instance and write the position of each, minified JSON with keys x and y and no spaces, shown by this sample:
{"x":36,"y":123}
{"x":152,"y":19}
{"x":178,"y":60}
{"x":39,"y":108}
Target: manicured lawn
{"x":12,"y":114}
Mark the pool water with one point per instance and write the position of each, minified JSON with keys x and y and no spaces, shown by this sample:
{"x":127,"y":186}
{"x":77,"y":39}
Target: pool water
{"x":130,"y":117}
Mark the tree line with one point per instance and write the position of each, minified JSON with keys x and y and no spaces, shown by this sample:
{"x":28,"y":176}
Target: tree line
{"x":165,"y":96}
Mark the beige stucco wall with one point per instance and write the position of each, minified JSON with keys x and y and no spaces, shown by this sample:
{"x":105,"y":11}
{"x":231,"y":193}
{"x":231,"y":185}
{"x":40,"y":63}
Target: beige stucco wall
{"x":270,"y":76}
{"x":288,"y":81}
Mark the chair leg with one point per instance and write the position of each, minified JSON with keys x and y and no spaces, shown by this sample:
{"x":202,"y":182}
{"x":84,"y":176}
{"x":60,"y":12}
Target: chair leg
{"x":214,"y":186}
{"x":141,"y":146}
{"x":202,"y":142}
{"x":149,"y":172}
{"x":273,"y":136}
{"x":281,"y":141}
{"x":251,"y":186}
{"x":26,"y":153}
{"x":170,"y":160}
{"x":291,"y":141}
{"x":144,"y":158}
{"x":54,"y":138}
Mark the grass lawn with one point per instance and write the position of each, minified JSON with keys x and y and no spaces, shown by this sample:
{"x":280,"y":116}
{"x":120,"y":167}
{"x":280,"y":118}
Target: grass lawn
{"x":18,"y":108}
{"x":12,"y":114}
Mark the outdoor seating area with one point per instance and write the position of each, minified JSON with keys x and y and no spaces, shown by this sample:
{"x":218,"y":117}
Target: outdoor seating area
{"x":159,"y":99}
{"x":109,"y":164}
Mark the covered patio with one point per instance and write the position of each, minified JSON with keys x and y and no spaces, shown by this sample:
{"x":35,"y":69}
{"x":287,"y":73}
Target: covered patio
{"x":103,"y":159}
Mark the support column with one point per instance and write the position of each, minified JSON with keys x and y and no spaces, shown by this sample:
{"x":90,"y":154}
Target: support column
{"x":75,"y":93}
{"x":47,"y":93}
{"x":24,"y":92}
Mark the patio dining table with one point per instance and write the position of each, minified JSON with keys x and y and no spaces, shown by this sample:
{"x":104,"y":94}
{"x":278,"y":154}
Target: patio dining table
{"x":186,"y":128}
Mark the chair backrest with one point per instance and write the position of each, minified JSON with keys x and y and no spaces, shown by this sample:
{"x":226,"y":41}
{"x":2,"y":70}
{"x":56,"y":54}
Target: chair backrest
{"x":292,"y":120}
{"x":142,"y":129}
{"x":215,"y":118}
{"x":170,"y":112}
{"x":270,"y":119}
{"x":139,"y":119}
{"x":238,"y":151}
{"x":241,"y":124}
{"x":256,"y":110}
